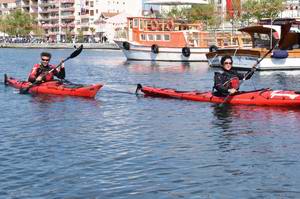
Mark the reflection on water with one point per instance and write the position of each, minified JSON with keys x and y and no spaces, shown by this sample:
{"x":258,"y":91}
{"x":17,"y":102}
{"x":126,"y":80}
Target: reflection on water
{"x":281,"y":72}
{"x":223,"y":114}
{"x":226,"y":114}
{"x":286,"y":79}
{"x":49,"y":99}
{"x":169,"y":67}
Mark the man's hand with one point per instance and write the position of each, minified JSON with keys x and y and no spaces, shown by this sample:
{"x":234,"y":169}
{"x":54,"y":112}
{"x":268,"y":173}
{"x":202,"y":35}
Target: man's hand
{"x":232,"y":91}
{"x":39,"y":78}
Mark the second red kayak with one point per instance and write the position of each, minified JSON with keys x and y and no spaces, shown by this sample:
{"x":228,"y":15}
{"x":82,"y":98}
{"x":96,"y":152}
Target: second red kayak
{"x":263,"y":97}
{"x":55,"y":88}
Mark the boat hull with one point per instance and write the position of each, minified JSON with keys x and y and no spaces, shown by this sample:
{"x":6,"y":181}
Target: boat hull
{"x":56,"y":88}
{"x":246,"y":59}
{"x":144,"y":53}
{"x":263,"y":97}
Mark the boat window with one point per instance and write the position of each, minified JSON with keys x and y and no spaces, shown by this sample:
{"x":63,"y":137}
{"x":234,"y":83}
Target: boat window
{"x":158,"y":37}
{"x":143,"y":37}
{"x":150,"y":37}
{"x":141,"y":25}
{"x":261,"y":40}
{"x":130,"y":24}
{"x":167,"y":37}
{"x":135,"y":23}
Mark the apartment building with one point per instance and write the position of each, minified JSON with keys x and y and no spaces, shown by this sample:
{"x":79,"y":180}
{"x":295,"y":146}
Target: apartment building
{"x":292,"y":9}
{"x":60,"y":18}
{"x":6,"y":6}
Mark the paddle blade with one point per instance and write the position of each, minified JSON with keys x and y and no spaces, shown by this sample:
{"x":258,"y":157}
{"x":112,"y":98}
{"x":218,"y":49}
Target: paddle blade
{"x":76,"y":52}
{"x":5,"y":79}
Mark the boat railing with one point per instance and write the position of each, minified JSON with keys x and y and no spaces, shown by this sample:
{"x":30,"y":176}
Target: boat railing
{"x":229,"y":40}
{"x":160,"y":24}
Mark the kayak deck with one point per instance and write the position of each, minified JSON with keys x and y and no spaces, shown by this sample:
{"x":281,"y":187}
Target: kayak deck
{"x":55,"y":88}
{"x":262,"y":97}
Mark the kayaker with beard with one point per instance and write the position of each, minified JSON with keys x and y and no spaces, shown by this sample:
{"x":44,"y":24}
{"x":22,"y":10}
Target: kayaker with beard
{"x":40,"y":72}
{"x":228,"y":82}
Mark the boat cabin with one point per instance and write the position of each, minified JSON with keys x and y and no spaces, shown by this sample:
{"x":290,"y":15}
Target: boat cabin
{"x":267,"y":34}
{"x":166,"y":32}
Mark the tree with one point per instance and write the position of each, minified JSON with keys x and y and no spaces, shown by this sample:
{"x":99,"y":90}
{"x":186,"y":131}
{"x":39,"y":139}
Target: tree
{"x":69,"y":37}
{"x":259,"y":9}
{"x":93,"y":30}
{"x":205,"y":14}
{"x":19,"y":23}
{"x":80,"y":37}
{"x":196,"y":13}
{"x":177,"y":13}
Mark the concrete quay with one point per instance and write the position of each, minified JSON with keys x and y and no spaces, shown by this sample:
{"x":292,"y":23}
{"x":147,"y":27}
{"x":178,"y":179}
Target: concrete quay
{"x":111,"y":46}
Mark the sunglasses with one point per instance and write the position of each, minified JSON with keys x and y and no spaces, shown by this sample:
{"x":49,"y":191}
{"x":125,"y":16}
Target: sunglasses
{"x":228,"y":63}
{"x":45,"y":59}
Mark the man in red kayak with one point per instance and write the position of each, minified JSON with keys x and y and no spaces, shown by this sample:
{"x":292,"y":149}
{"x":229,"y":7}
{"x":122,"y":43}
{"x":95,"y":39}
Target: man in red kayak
{"x":41,"y":72}
{"x":228,"y":82}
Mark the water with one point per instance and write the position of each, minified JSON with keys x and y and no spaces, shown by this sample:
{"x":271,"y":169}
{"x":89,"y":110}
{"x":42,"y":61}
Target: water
{"x":123,"y":146}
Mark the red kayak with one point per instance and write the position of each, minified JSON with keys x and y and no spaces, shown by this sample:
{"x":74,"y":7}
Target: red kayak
{"x":263,"y":97}
{"x":55,"y":88}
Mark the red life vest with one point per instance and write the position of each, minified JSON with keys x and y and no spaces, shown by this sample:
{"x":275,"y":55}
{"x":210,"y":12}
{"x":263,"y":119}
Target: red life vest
{"x":36,"y":71}
{"x":235,"y":83}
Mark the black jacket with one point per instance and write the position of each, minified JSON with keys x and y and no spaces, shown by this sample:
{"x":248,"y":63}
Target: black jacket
{"x":222,"y":80}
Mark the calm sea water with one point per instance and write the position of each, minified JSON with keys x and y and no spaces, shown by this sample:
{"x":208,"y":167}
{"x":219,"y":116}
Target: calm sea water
{"x":123,"y":146}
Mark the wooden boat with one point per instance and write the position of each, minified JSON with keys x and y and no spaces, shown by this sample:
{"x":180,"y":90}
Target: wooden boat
{"x":263,"y":37}
{"x":164,"y":40}
{"x":159,"y":39}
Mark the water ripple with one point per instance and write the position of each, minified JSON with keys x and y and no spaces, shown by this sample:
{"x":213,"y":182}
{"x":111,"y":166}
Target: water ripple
{"x":123,"y":146}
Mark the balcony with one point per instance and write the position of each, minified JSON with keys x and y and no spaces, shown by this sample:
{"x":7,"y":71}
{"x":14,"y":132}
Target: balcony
{"x":85,"y":16}
{"x":87,"y":33}
{"x":44,"y":20}
{"x":67,"y":1}
{"x":71,"y":32}
{"x":44,"y":11}
{"x":46,"y":26}
{"x":33,"y":10}
{"x":69,"y":25}
{"x":53,"y":3}
{"x":53,"y":10}
{"x":53,"y":17}
{"x":67,"y":17}
{"x":71,"y":9}
{"x":23,"y":5}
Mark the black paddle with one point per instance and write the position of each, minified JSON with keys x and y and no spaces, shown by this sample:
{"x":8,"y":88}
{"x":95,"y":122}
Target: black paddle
{"x":284,"y":30}
{"x":74,"y":54}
